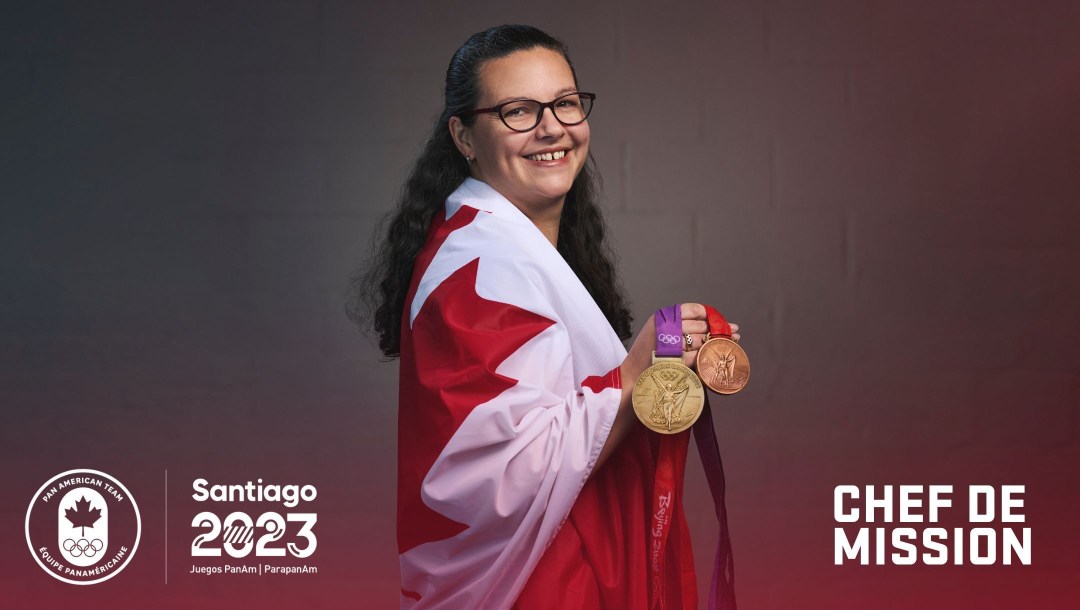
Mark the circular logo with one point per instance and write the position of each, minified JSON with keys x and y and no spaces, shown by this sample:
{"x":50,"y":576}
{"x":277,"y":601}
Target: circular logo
{"x":83,"y":526}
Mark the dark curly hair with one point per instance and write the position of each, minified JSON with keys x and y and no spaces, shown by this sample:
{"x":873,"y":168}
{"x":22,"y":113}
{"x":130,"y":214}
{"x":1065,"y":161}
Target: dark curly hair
{"x":377,"y":293}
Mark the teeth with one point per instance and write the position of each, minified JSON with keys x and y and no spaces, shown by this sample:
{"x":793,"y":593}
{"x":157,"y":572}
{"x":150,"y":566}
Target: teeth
{"x":548,"y":156}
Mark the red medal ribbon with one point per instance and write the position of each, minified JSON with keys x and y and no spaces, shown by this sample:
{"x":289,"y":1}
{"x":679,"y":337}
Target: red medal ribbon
{"x":667,"y":499}
{"x":718,"y":326}
{"x":670,"y":463}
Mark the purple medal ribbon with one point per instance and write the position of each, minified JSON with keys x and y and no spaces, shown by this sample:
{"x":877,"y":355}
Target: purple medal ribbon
{"x":722,"y":589}
{"x":669,"y":338}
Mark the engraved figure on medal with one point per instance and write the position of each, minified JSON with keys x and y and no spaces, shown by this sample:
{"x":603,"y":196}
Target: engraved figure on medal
{"x":670,"y":394}
{"x":725,"y":369}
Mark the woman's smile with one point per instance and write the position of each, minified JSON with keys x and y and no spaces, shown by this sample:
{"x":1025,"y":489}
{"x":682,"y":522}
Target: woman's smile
{"x":555,"y":155}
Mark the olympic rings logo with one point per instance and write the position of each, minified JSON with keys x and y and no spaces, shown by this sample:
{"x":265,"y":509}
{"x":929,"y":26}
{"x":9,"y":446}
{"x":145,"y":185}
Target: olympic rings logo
{"x":667,"y":339}
{"x":83,"y":547}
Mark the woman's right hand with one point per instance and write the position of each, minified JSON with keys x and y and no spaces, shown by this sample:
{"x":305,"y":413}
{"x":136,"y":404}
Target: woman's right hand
{"x":695,"y":323}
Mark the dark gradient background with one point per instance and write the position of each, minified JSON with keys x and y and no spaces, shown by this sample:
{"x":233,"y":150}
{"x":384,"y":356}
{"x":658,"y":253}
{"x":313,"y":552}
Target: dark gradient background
{"x":882,"y":194}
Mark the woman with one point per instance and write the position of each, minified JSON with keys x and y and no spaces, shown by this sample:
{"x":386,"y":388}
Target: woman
{"x":524,"y":476}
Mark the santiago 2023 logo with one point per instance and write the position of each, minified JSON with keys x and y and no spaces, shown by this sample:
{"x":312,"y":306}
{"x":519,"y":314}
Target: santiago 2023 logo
{"x":83,"y":526}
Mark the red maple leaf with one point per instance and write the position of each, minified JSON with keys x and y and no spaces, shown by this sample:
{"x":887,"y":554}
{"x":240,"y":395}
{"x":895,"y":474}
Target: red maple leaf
{"x":82,"y":515}
{"x":458,"y":339}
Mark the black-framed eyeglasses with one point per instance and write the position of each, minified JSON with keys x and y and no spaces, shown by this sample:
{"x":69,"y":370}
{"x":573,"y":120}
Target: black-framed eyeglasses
{"x":524,"y":115}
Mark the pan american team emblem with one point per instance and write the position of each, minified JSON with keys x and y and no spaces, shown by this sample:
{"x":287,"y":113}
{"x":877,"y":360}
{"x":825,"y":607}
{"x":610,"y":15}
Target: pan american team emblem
{"x":83,"y":527}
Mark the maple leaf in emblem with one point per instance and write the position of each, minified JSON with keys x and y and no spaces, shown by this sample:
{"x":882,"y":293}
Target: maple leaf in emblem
{"x":82,"y":515}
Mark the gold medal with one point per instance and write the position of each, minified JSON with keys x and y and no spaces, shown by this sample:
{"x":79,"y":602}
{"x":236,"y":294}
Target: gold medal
{"x":668,"y":397}
{"x":723,"y":365}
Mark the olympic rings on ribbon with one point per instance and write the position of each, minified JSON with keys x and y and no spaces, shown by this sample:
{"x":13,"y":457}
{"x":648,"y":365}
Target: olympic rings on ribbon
{"x":667,"y":339}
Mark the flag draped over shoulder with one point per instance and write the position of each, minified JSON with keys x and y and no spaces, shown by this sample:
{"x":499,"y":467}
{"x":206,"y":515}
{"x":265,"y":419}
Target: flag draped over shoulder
{"x":509,"y":386}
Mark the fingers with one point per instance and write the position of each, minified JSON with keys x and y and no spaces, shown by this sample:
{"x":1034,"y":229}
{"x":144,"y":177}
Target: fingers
{"x":699,"y":327}
{"x":696,"y":341}
{"x":695,"y":322}
{"x":699,"y":338}
{"x":693,"y":311}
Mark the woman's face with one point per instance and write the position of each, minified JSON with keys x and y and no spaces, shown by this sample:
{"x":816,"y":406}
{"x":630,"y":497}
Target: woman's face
{"x":502,"y":156}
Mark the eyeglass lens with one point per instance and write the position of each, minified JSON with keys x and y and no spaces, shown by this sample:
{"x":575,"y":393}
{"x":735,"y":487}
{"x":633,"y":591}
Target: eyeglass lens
{"x":523,"y":115}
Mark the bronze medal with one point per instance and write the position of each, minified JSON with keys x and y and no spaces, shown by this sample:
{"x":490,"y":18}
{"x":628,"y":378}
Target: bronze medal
{"x":668,"y":397}
{"x":723,"y":365}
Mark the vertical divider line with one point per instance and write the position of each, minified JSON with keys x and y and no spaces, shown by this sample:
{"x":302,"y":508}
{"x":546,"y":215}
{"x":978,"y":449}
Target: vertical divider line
{"x":166,"y":526}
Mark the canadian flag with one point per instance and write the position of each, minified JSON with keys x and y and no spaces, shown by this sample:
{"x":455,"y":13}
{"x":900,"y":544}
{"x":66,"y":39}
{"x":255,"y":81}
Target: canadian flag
{"x":509,"y":386}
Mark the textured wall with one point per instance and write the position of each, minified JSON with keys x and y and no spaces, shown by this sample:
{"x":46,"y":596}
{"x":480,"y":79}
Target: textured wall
{"x":881,"y":193}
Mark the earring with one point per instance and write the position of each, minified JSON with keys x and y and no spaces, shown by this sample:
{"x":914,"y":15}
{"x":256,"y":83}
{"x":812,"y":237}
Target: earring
{"x":468,"y":159}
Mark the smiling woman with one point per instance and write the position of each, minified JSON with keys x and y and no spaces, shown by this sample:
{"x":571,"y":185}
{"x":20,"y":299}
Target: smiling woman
{"x":524,"y":478}
{"x":534,"y":164}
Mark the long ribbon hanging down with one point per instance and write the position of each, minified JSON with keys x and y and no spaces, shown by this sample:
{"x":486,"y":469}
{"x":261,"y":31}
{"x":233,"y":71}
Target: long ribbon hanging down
{"x":670,"y":462}
{"x":734,"y":373}
{"x":670,"y":466}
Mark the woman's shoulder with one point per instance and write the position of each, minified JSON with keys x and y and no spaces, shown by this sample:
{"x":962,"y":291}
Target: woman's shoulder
{"x":480,"y":252}
{"x":493,"y":229}
{"x":498,"y":243}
